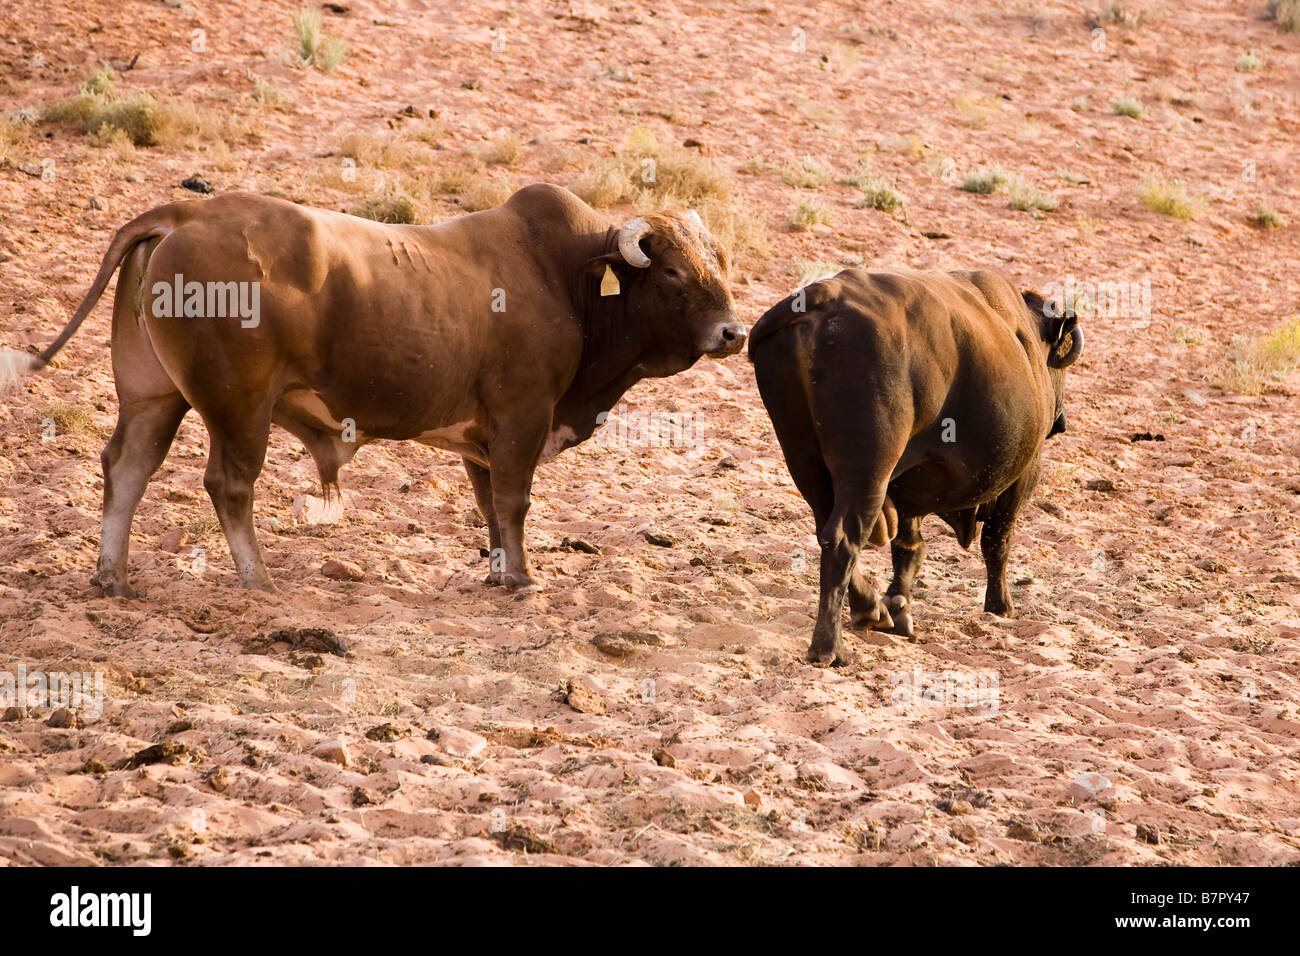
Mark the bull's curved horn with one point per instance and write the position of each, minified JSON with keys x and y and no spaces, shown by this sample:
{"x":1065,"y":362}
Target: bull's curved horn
{"x":695,"y":219}
{"x":628,"y":238}
{"x":1076,"y":349}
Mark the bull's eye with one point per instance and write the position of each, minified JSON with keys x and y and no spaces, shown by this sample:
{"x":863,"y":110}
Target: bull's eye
{"x":672,"y":273}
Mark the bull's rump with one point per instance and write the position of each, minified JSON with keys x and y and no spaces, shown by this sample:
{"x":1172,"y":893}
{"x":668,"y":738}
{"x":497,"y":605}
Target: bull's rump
{"x":393,"y":327}
{"x":926,"y":355}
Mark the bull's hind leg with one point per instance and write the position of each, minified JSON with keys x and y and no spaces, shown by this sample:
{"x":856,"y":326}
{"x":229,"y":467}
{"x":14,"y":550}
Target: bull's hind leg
{"x":857,"y":506}
{"x":150,"y":409}
{"x":238,"y":450}
{"x":995,"y":542}
{"x":907,"y":551}
{"x":793,"y":420}
{"x":144,"y":433}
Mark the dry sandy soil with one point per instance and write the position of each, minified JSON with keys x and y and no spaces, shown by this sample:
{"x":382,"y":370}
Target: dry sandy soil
{"x":1158,"y":637}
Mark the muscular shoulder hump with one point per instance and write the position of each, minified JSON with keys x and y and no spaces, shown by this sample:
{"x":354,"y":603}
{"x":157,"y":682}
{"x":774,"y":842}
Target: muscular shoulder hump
{"x":999,"y":293}
{"x":798,"y":306}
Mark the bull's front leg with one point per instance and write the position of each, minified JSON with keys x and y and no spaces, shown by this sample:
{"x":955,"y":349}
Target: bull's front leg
{"x":512,"y":459}
{"x":995,"y":543}
{"x":481,"y":479}
{"x":907,"y":552}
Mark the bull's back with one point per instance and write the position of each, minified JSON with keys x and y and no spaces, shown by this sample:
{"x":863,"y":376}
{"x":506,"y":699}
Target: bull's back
{"x":389,"y":325}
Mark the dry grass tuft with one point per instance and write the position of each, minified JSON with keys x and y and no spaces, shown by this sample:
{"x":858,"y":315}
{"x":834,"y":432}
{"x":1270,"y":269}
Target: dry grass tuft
{"x":1266,"y":217}
{"x":647,"y":175}
{"x":101,"y":111}
{"x":977,"y":109}
{"x":1024,"y":195}
{"x":1128,"y":106}
{"x":805,"y":174}
{"x":268,"y":96}
{"x":1170,"y":198}
{"x":393,"y":205}
{"x":878,"y":192}
{"x":316,"y":47}
{"x":70,"y":419}
{"x":809,"y":213}
{"x":484,"y":193}
{"x":644,"y":172}
{"x":14,"y":135}
{"x":1286,"y":13}
{"x":505,"y":150}
{"x":1251,"y":363}
{"x":985,"y":181}
{"x":1114,"y":13}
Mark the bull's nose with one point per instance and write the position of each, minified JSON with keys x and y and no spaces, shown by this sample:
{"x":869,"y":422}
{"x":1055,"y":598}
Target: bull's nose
{"x":728,"y":338}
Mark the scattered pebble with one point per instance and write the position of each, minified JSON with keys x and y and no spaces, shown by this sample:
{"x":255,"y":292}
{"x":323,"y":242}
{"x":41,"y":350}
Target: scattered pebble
{"x":173,"y":540}
{"x":459,"y":742}
{"x":1022,"y":830}
{"x":1087,"y":785}
{"x":578,"y":544}
{"x":64,"y":717}
{"x":965,"y":832}
{"x":338,"y":570}
{"x":217,"y":779}
{"x":197,"y":184}
{"x":582,"y":699}
{"x":166,"y":752}
{"x":333,"y":751}
{"x":1146,"y":833}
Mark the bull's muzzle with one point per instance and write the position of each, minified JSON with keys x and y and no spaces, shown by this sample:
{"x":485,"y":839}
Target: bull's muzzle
{"x":726,"y":338}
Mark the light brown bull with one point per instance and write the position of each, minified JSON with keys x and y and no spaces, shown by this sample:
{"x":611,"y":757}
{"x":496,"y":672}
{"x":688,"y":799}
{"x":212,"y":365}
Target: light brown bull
{"x":500,"y":336}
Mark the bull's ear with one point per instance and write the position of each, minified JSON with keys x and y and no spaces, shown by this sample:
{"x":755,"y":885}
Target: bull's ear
{"x":610,"y":269}
{"x":596,"y":266}
{"x":1035,"y":302}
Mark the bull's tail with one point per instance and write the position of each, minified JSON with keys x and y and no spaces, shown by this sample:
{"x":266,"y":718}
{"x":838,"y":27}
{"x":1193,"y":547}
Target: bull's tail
{"x":16,"y":366}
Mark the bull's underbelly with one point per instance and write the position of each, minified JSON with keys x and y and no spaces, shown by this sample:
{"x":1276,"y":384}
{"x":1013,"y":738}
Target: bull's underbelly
{"x":939,"y":483}
{"x":468,"y":437}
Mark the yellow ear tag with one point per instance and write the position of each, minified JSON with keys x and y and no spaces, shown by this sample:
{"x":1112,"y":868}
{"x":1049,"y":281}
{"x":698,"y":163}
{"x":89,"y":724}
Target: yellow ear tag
{"x":609,"y":282}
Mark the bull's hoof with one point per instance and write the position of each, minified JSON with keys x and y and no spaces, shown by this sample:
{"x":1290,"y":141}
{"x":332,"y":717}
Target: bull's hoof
{"x":494,"y":579}
{"x":877,"y":619}
{"x":838,"y":655}
{"x":902,"y":614}
{"x":112,"y":586}
{"x":520,"y":583}
{"x":265,"y":585}
{"x":1002,"y":608}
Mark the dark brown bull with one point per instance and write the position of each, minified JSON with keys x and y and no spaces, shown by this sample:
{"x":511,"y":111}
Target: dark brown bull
{"x":500,"y":336}
{"x":898,"y":394}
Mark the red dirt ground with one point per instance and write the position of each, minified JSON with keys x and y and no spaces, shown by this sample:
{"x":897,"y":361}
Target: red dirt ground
{"x":1158,"y":636}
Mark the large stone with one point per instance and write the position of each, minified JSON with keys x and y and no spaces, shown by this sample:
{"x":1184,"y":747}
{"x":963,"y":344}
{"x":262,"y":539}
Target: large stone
{"x":333,"y":751}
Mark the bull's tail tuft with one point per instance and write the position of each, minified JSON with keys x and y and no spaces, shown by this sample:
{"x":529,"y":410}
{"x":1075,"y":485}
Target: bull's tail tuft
{"x":14,"y":368}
